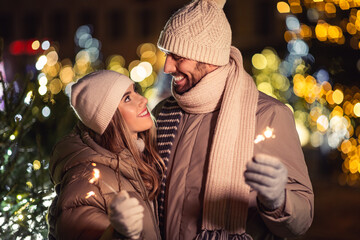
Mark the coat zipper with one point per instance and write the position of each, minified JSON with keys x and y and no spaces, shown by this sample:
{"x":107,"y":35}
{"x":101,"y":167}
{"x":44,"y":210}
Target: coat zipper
{"x":148,"y":203}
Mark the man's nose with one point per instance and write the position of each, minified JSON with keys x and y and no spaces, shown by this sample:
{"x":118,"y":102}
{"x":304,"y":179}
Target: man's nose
{"x":170,"y":65}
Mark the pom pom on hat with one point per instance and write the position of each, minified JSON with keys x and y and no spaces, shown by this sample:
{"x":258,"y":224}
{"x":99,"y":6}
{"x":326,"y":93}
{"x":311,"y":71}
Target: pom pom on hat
{"x":199,"y":31}
{"x":96,"y":96}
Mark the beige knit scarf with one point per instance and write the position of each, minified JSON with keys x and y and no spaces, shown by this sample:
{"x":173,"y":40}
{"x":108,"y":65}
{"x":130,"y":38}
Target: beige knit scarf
{"x":232,"y":90}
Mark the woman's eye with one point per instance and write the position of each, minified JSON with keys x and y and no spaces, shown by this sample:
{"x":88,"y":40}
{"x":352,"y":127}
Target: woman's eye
{"x":127,"y":99}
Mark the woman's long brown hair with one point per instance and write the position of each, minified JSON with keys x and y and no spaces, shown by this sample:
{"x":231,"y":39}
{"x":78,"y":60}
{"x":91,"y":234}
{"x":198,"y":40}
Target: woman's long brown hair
{"x":150,"y":165}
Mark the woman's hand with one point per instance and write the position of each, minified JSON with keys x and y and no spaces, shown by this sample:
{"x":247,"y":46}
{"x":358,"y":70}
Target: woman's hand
{"x":126,"y":215}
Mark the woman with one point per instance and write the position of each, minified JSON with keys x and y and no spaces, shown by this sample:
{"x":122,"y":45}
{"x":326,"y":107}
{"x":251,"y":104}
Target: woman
{"x":106,"y":172}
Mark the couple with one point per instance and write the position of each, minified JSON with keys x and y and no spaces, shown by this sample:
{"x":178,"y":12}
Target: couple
{"x":206,"y":178}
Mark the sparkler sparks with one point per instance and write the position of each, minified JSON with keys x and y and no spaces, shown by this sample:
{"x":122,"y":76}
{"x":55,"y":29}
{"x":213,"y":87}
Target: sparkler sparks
{"x":96,"y":175}
{"x":268,"y":133}
{"x":94,"y":179}
{"x":89,"y":194}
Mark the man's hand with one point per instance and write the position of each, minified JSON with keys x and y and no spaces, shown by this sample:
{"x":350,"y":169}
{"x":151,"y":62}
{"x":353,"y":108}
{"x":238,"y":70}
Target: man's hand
{"x":126,"y":215}
{"x":267,"y":175}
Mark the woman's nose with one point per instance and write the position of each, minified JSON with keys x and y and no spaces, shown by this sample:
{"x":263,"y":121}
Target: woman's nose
{"x":169,"y":66}
{"x":143,"y":101}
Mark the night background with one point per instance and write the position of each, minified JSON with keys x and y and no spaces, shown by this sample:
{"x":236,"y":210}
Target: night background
{"x":304,"y":53}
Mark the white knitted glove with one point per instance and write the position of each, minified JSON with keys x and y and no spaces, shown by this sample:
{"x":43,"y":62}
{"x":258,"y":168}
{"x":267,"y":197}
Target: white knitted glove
{"x":126,"y":215}
{"x":268,"y":176}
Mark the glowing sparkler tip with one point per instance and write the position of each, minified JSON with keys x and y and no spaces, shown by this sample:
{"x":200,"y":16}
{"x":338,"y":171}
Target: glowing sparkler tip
{"x":96,"y":175}
{"x":259,"y":138}
{"x":268,"y":132}
{"x":89,"y":194}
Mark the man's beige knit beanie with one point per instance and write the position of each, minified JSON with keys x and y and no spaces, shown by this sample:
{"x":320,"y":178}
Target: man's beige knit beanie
{"x":199,"y":31}
{"x":96,"y":96}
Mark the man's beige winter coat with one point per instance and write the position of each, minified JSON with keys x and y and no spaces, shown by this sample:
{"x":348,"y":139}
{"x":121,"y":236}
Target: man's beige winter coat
{"x":187,"y":171}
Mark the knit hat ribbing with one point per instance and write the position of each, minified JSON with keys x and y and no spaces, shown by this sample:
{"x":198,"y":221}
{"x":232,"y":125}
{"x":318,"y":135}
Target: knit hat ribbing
{"x":199,"y":31}
{"x":96,"y":96}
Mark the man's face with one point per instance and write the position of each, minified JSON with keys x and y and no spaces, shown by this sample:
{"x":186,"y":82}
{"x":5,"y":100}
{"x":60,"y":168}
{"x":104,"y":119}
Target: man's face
{"x":186,"y":72}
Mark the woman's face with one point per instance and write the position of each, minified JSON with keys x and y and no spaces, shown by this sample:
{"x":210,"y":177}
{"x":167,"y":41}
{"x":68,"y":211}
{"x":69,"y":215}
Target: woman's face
{"x":134,"y":111}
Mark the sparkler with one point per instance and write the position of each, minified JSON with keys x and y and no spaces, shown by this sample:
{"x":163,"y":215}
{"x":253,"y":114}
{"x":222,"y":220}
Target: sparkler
{"x":94,"y":179}
{"x":89,"y":194}
{"x":268,"y":133}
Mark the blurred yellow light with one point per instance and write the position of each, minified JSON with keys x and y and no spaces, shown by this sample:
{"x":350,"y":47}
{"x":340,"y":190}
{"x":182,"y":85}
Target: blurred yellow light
{"x":344,"y":4}
{"x":66,"y":74}
{"x":147,"y":82}
{"x":266,"y":88}
{"x":36,"y":165}
{"x":160,"y":60}
{"x":326,"y":86}
{"x":315,"y":113}
{"x":334,"y":32}
{"x":338,"y":96}
{"x":133,"y":64}
{"x":322,"y":123}
{"x":149,"y":56}
{"x":35,"y":45}
{"x":150,"y":93}
{"x":345,"y":146}
{"x":144,"y":48}
{"x":283,"y":7}
{"x":259,"y":61}
{"x":295,"y":8}
{"x":289,"y":35}
{"x":329,"y":97}
{"x":42,"y":90}
{"x":280,"y":82}
{"x":305,"y":31}
{"x":43,"y":80}
{"x":148,"y":68}
{"x":350,"y":28}
{"x":348,"y":108}
{"x":354,"y":166}
{"x":341,"y":40}
{"x":55,"y":86}
{"x":357,"y":109}
{"x":318,"y":0}
{"x":272,"y":59}
{"x":52,"y":58}
{"x":29,"y":184}
{"x":115,"y":60}
{"x":330,"y":8}
{"x":316,"y":139}
{"x":124,"y":71}
{"x":337,"y":111}
{"x":303,"y":133}
{"x":321,"y":31}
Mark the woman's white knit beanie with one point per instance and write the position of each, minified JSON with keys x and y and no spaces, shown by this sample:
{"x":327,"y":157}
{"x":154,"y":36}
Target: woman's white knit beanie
{"x":96,"y":96}
{"x":199,"y":31}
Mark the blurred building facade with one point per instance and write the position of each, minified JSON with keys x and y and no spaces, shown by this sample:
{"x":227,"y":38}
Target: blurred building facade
{"x":122,"y":25}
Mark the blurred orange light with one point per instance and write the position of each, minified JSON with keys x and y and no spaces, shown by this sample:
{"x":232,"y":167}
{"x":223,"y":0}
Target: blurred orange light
{"x":330,"y":8}
{"x":321,"y":31}
{"x":344,"y":4}
{"x":283,"y":7}
{"x":357,"y":109}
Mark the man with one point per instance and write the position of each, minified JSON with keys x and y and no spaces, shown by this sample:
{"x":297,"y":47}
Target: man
{"x":219,"y":183}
